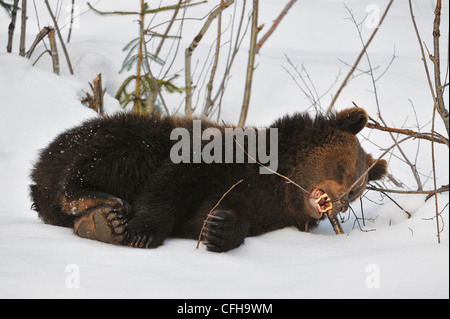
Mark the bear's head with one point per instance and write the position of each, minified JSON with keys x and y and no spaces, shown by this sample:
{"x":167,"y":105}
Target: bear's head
{"x":328,"y":160}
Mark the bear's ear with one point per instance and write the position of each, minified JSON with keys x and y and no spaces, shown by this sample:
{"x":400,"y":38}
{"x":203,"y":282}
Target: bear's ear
{"x":352,"y":120}
{"x":378,"y":171}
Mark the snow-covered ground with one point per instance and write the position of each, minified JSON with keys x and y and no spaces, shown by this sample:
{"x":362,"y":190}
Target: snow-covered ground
{"x":397,"y":258}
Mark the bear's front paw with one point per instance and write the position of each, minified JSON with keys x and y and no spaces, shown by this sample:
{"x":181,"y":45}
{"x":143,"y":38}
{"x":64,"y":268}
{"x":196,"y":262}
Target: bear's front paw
{"x":224,"y":230}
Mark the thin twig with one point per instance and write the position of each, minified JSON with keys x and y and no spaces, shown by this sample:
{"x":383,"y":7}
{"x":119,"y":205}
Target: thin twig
{"x":138,"y":107}
{"x":209,"y":87}
{"x":188,"y":53}
{"x":170,"y":7}
{"x":150,"y":99}
{"x":95,"y":101}
{"x":163,"y":38}
{"x":433,"y":162}
{"x":397,"y":204}
{"x":54,"y":51}
{"x":40,"y":56}
{"x":439,"y":104}
{"x":233,"y":51}
{"x":442,"y":111}
{"x":444,"y":114}
{"x":71,"y":21}
{"x":23,"y":28}
{"x":363,"y":219}
{"x":425,"y":136}
{"x":212,"y":209}
{"x":358,"y":59}
{"x":375,"y":92}
{"x":308,"y":92}
{"x":60,"y":37}
{"x":314,"y":100}
{"x":250,"y":65}
{"x":275,"y":24}
{"x":442,"y":189}
{"x":12,"y":26}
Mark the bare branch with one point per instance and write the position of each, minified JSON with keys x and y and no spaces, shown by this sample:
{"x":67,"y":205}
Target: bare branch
{"x":23,"y":28}
{"x":275,"y":24}
{"x":424,"y":136}
{"x":60,"y":37}
{"x":71,"y":21}
{"x":191,"y":48}
{"x":250,"y":65}
{"x":209,"y":87}
{"x":358,"y":59}
{"x":12,"y":26}
{"x":53,"y":50}
{"x":164,"y":37}
{"x":41,"y":35}
{"x":441,"y":189}
{"x":233,"y":50}
{"x":444,"y":115}
{"x":95,"y":101}
{"x":443,"y":112}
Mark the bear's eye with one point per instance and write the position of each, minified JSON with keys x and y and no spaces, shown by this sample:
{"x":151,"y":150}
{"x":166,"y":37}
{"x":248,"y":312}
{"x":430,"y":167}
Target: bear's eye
{"x":341,"y":169}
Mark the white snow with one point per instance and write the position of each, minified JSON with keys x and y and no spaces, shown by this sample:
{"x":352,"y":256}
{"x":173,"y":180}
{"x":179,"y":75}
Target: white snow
{"x":394,"y":257}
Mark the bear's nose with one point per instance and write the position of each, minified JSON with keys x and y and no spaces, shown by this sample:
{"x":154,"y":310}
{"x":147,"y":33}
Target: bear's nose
{"x":342,"y":205}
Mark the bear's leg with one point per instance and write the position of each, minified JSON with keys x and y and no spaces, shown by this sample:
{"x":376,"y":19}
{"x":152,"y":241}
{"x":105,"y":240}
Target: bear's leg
{"x":166,"y":201}
{"x":224,"y":230}
{"x":98,"y":216}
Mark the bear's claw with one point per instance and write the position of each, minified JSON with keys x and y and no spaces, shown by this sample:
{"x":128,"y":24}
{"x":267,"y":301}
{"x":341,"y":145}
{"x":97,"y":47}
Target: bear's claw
{"x":139,"y":240}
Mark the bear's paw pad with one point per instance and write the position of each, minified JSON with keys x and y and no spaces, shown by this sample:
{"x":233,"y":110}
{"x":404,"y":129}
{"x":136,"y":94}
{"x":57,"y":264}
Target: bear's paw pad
{"x":104,"y":224}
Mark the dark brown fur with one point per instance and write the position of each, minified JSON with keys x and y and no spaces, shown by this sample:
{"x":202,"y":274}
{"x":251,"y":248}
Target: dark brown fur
{"x":117,"y":172}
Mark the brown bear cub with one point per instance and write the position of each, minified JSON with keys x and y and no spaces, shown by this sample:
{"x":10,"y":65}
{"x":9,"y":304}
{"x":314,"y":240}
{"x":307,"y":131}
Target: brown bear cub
{"x":115,"y":180}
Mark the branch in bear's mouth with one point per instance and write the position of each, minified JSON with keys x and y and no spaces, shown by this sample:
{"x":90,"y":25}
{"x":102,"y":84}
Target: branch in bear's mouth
{"x":336,"y":225}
